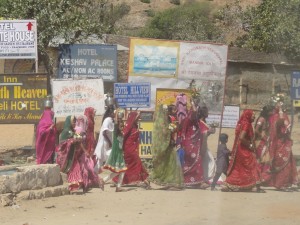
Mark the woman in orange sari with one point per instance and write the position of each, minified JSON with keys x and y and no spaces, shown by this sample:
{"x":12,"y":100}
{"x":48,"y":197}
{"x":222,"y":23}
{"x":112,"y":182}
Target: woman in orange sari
{"x":243,"y":172}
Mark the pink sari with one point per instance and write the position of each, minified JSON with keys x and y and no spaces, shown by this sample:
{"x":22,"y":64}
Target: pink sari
{"x":243,"y":172}
{"x":191,"y":143}
{"x":45,"y":138}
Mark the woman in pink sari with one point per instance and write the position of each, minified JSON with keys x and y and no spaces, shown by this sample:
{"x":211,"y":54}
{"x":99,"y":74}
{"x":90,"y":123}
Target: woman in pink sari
{"x":243,"y":172}
{"x":135,"y":172}
{"x":284,"y":171}
{"x":73,"y":158}
{"x":45,"y":138}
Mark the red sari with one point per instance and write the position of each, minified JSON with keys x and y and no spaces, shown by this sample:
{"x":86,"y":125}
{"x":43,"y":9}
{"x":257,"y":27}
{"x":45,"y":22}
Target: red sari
{"x":243,"y":172}
{"x":90,"y":137}
{"x":284,"y":170}
{"x":135,"y":170}
{"x":191,"y":143}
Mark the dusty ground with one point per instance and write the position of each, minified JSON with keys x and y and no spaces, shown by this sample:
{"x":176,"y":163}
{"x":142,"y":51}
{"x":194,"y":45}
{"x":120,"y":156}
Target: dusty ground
{"x":142,"y":207}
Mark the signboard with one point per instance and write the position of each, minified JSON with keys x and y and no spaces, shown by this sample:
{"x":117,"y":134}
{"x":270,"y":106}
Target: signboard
{"x":18,"y":39}
{"x":231,"y":115}
{"x":130,"y":95}
{"x":88,"y":61}
{"x":22,"y":98}
{"x":71,"y":97}
{"x":295,"y":85}
{"x":145,"y":139}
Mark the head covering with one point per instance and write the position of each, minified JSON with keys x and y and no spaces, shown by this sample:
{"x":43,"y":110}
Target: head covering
{"x":161,"y":132}
{"x":245,"y":120}
{"x":68,"y":130}
{"x":90,"y":138}
{"x":130,"y":122}
{"x":81,"y":124}
{"x":45,"y":137}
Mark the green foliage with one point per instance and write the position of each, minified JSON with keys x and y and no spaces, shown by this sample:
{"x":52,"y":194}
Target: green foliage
{"x":274,"y":26}
{"x":187,"y":22}
{"x":175,"y":2}
{"x":72,"y":20}
{"x":145,"y":1}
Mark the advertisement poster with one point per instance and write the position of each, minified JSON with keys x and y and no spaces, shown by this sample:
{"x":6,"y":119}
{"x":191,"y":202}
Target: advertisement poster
{"x":88,"y":61}
{"x":71,"y":97}
{"x":154,"y":58}
{"x":167,"y":96}
{"x":18,"y":39}
{"x":22,"y":98}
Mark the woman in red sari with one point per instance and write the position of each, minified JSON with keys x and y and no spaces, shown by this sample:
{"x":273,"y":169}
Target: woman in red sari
{"x":243,"y":172}
{"x":284,"y":171}
{"x":135,"y":170}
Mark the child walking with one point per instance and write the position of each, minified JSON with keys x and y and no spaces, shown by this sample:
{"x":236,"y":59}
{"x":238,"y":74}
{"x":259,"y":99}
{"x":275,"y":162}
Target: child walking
{"x":222,"y":159}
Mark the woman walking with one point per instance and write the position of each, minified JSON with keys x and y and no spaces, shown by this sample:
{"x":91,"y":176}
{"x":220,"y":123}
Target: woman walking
{"x":167,"y":169}
{"x":135,"y":170}
{"x":243,"y":172}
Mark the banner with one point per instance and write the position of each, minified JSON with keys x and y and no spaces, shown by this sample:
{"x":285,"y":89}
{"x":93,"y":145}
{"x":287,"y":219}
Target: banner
{"x":71,"y":97}
{"x":168,"y":96}
{"x":18,"y":39}
{"x":22,"y":98}
{"x":88,"y":61}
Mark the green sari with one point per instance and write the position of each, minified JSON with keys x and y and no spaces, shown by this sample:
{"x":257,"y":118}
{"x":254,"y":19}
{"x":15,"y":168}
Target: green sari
{"x":115,"y":161}
{"x":167,"y":169}
{"x":66,"y":148}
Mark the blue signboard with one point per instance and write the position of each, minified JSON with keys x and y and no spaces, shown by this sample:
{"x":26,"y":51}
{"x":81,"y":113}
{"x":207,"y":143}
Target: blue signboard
{"x":130,"y":95}
{"x":295,"y":85}
{"x":88,"y":61}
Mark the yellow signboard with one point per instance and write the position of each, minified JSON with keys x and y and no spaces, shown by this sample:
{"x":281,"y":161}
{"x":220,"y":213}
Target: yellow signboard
{"x":168,"y":96}
{"x":296,"y":103}
{"x":145,"y":139}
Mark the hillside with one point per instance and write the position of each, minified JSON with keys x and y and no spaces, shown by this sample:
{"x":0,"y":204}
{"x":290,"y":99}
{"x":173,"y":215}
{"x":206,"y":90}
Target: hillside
{"x":139,"y":13}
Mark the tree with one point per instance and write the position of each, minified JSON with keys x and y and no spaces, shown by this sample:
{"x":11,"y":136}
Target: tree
{"x":273,"y":27}
{"x":187,"y":22}
{"x":72,"y":20}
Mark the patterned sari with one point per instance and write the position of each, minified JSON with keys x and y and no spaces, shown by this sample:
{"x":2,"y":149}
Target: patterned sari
{"x":167,"y":169}
{"x":243,"y":172}
{"x":284,"y":171}
{"x":191,"y":143}
{"x":72,"y":159}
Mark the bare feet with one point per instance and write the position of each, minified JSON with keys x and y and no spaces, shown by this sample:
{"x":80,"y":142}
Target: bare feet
{"x":101,"y":184}
{"x":118,"y":189}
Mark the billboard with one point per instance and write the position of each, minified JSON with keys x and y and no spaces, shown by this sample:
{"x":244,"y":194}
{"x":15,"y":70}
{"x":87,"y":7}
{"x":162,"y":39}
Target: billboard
{"x":295,"y":85}
{"x":88,"y":61}
{"x":22,"y":98}
{"x":71,"y":97}
{"x":18,"y":39}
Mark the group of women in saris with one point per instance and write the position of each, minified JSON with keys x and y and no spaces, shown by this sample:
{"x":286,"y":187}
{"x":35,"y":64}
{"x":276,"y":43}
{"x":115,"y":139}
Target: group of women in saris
{"x":262,"y":157}
{"x":118,"y":149}
{"x":190,"y":136}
